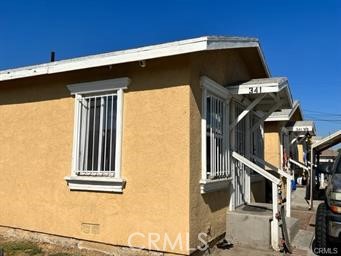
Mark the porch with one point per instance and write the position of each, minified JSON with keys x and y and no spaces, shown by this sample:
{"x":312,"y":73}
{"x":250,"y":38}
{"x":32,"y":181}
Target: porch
{"x":236,"y":157}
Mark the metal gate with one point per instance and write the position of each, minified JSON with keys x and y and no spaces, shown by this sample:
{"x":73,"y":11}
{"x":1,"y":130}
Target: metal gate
{"x":239,"y":168}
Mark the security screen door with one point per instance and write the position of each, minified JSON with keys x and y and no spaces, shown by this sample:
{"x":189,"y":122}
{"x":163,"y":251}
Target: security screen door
{"x":240,"y":148}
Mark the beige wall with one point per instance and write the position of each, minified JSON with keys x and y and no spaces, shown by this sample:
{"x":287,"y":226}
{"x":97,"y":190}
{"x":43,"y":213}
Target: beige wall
{"x":36,"y":122}
{"x":300,"y":153}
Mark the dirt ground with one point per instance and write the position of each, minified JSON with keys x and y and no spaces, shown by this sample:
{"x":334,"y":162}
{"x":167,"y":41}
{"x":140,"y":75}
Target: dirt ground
{"x":13,"y":247}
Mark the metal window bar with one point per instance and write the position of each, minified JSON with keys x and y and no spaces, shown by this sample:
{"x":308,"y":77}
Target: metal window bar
{"x":216,"y":137}
{"x":97,"y":135}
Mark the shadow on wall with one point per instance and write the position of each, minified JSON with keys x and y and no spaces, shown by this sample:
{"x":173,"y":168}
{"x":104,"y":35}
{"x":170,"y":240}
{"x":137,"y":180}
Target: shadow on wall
{"x":211,"y":201}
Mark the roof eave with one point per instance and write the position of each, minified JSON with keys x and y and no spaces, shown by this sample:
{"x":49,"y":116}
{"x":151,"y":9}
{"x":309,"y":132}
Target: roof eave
{"x":143,"y":53}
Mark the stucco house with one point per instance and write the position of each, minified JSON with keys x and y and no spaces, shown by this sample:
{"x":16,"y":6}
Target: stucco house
{"x":286,"y":139}
{"x":110,"y":148}
{"x":285,"y":135}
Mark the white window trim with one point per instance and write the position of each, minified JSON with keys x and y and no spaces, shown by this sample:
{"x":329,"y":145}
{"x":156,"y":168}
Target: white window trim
{"x":93,"y":183}
{"x":210,"y":185}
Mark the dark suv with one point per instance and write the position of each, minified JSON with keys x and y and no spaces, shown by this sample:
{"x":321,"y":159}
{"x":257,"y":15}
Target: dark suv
{"x":328,"y":215}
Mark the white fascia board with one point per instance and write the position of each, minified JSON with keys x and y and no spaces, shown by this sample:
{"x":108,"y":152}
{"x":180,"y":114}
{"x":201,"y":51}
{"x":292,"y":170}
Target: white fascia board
{"x":299,"y":109}
{"x":276,"y":119}
{"x":261,"y":54}
{"x":137,"y":54}
{"x":289,"y":95}
{"x":293,"y":110}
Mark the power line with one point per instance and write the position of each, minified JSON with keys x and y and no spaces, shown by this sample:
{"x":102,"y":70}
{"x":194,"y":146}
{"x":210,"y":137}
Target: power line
{"x":327,"y":120}
{"x":322,"y":113}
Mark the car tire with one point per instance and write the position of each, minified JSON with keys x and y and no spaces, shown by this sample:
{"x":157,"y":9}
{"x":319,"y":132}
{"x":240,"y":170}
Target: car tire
{"x":321,"y":232}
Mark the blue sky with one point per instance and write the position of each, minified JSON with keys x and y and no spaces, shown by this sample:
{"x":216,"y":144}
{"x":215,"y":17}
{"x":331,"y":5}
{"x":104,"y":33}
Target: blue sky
{"x":300,"y":39}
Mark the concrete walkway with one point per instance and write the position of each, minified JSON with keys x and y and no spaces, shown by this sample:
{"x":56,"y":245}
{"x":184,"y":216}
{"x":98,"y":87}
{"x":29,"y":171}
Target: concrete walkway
{"x":241,"y":251}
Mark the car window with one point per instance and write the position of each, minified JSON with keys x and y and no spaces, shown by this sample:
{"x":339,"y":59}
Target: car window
{"x":338,"y":165}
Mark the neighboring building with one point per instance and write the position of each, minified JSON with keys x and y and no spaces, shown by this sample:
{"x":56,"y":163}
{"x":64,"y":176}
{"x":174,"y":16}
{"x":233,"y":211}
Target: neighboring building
{"x":101,"y":147}
{"x":275,"y":139}
{"x":327,"y":158}
{"x":287,"y":138}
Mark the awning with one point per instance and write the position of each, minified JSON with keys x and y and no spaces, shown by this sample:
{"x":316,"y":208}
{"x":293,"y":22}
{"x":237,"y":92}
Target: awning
{"x":276,"y":90}
{"x":301,"y":127}
{"x":327,"y":142}
{"x":286,"y":114}
{"x":264,"y":95}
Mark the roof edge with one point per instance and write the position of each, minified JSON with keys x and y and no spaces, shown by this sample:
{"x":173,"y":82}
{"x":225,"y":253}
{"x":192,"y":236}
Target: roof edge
{"x":136,"y":54}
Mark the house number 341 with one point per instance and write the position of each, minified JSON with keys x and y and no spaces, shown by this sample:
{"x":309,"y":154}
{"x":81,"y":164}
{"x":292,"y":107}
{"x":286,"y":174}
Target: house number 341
{"x":255,"y":90}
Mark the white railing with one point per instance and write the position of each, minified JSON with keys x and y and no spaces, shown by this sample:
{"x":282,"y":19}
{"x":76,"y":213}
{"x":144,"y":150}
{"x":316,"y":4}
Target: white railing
{"x":286,"y":175}
{"x":96,"y":173}
{"x":275,"y":182}
{"x":299,"y":164}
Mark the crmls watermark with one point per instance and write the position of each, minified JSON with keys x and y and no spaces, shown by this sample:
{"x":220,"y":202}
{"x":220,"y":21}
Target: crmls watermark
{"x":165,"y":242}
{"x":325,"y":251}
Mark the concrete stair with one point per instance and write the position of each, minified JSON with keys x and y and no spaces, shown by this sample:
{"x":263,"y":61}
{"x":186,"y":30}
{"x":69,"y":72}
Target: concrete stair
{"x":249,"y":225}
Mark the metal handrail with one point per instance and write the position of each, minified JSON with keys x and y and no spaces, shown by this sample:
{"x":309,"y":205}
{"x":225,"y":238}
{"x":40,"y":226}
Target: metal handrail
{"x":275,"y":182}
{"x":284,"y":174}
{"x":299,"y":164}
{"x":256,"y":168}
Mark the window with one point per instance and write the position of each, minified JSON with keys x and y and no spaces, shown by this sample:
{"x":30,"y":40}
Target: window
{"x":216,"y":147}
{"x":215,"y":136}
{"x":337,"y":165}
{"x":97,"y":136}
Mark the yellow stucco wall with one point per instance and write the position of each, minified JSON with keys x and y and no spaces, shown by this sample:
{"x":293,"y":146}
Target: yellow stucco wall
{"x":161,"y":154}
{"x":36,"y":122}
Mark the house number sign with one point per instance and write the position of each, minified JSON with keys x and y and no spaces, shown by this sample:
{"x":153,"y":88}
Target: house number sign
{"x":256,"y":89}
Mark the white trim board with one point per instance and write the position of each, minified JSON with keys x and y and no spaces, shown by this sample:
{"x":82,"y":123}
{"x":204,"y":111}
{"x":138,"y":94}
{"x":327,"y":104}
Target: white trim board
{"x":99,"y":86}
{"x":138,"y":54}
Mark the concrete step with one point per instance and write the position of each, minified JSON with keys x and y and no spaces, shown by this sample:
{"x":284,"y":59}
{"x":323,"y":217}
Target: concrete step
{"x":249,"y":225}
